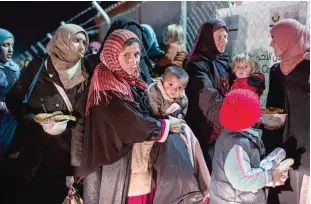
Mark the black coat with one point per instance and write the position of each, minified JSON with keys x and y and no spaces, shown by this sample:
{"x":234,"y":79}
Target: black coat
{"x":45,"y":159}
{"x":205,"y":99}
{"x":276,"y":97}
{"x":110,"y":131}
{"x":297,"y":104}
{"x":209,"y":75}
{"x":291,"y":92}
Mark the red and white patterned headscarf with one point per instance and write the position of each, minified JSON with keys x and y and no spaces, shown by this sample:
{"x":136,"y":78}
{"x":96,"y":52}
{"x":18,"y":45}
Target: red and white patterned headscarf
{"x":109,"y":75}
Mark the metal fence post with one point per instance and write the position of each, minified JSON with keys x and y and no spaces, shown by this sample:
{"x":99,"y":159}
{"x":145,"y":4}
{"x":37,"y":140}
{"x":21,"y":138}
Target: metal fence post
{"x":49,"y":36}
{"x":41,"y":47}
{"x":22,"y":56}
{"x":34,"y":49}
{"x":102,"y":12}
{"x":28,"y":54}
{"x":184,"y":21}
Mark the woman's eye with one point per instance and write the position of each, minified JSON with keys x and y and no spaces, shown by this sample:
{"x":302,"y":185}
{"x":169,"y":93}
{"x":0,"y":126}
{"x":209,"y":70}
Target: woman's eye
{"x":170,"y":84}
{"x":180,"y":88}
{"x":127,"y":55}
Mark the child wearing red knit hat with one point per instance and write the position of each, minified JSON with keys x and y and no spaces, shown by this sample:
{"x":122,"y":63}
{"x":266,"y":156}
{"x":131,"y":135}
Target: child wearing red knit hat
{"x":237,"y":176}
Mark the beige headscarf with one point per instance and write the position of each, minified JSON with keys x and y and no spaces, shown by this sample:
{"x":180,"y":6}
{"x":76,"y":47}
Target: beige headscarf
{"x":66,"y":61}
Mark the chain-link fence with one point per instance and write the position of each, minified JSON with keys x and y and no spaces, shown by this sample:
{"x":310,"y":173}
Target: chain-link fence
{"x":249,"y":23}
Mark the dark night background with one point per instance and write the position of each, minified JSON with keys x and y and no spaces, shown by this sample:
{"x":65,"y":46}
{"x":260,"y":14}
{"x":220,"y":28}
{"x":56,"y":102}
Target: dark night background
{"x":29,"y":22}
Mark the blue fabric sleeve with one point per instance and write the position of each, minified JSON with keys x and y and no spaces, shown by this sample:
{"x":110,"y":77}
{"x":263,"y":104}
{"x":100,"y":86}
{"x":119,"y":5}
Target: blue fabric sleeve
{"x":241,"y":174}
{"x":3,"y":81}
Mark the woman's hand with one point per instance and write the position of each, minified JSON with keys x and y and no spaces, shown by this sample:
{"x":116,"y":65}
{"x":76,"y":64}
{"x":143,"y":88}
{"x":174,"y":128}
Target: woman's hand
{"x":272,"y":121}
{"x":279,"y":178}
{"x":175,"y":124}
{"x":175,"y":121}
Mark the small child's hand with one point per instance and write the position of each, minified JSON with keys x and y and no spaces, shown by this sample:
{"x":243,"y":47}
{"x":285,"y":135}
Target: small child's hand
{"x":179,"y":116}
{"x":174,"y":107}
{"x":279,"y":177}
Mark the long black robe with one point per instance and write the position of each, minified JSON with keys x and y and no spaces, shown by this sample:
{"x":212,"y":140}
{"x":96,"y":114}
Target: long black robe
{"x":296,"y":137}
{"x":111,"y":130}
{"x":207,"y":68}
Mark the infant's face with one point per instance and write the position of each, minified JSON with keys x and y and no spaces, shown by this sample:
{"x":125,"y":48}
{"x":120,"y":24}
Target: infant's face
{"x":242,"y":70}
{"x":168,"y":39}
{"x":173,"y":86}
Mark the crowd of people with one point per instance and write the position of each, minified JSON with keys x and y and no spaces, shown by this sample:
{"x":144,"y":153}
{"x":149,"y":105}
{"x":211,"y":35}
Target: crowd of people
{"x":154,"y":125}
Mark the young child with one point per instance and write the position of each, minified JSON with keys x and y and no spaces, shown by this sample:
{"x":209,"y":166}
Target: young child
{"x":175,"y":53}
{"x":167,"y":98}
{"x":247,"y":74}
{"x":237,"y":176}
{"x":247,"y":77}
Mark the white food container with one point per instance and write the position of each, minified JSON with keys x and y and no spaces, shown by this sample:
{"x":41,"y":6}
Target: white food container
{"x":273,"y":120}
{"x":56,"y":128}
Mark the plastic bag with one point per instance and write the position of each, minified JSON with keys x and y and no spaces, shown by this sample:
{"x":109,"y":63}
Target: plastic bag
{"x":73,"y":197}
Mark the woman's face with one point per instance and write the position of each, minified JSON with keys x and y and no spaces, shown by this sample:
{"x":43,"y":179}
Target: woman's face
{"x":221,"y":39}
{"x":276,"y":49}
{"x":6,"y":49}
{"x":78,"y":43}
{"x":129,"y":59}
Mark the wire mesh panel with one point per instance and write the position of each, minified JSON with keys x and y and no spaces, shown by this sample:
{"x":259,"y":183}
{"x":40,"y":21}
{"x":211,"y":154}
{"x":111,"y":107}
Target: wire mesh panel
{"x":249,"y":30}
{"x":249,"y":24}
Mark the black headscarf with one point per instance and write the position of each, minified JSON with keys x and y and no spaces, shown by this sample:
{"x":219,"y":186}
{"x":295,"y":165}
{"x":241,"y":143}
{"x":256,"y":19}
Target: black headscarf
{"x":131,"y":25}
{"x":204,"y":45}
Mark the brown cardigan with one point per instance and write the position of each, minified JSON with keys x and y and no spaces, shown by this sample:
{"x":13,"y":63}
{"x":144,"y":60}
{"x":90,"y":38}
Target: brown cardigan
{"x":174,"y":55}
